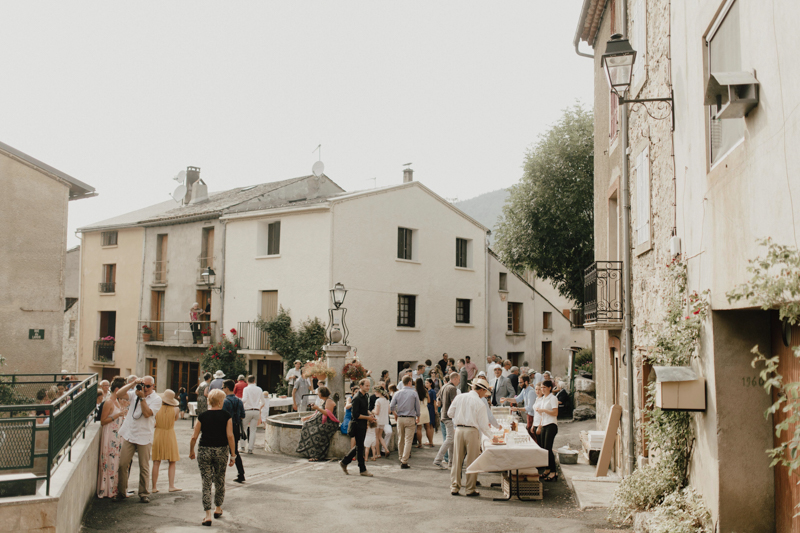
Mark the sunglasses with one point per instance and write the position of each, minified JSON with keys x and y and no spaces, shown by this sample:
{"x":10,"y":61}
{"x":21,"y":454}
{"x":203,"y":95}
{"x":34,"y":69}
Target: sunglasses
{"x":147,"y":386}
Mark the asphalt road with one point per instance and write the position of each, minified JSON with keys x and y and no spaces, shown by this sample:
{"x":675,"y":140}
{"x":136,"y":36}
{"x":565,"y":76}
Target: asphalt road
{"x":287,"y":494}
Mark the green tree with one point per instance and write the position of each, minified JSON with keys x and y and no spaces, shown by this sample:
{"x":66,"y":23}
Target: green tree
{"x":548,"y":220}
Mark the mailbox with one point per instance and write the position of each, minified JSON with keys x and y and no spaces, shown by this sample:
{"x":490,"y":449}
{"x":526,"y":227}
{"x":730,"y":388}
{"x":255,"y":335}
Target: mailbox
{"x":678,"y":388}
{"x":733,"y":94}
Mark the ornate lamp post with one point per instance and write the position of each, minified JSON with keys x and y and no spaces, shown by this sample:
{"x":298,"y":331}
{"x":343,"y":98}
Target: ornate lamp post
{"x":337,"y":348}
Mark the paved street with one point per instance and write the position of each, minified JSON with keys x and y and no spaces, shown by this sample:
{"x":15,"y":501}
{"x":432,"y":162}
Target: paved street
{"x":284,"y":494}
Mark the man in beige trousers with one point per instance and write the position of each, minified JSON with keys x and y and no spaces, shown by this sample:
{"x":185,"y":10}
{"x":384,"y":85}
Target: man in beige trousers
{"x":137,"y":433}
{"x":470,"y":419}
{"x":405,"y":406}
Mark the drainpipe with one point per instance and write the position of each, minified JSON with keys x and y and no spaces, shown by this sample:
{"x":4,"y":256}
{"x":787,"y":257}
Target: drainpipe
{"x":222,"y":285}
{"x":626,"y":267}
{"x":486,"y":296}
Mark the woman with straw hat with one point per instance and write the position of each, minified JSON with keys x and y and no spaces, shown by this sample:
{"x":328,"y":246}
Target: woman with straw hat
{"x":165,"y":443}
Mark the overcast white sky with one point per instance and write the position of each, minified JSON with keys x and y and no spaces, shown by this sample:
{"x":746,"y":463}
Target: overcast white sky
{"x":123,"y":96}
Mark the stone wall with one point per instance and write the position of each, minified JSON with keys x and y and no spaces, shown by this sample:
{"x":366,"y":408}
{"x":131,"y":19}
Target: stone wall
{"x":585,"y":399}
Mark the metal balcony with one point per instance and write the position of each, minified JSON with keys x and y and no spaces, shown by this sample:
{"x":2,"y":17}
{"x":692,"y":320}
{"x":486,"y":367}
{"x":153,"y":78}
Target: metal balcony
{"x":107,"y":287}
{"x":160,"y":272}
{"x":103,"y":353}
{"x":602,"y":306}
{"x":178,"y":333}
{"x":251,"y":337}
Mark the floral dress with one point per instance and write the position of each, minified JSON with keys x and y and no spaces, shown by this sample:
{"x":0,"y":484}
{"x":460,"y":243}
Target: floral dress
{"x":110,"y":446}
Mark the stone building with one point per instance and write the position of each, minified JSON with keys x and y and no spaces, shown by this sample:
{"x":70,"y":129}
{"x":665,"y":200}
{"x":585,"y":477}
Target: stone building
{"x":717,"y":184}
{"x":33,"y":254}
{"x":72,"y":280}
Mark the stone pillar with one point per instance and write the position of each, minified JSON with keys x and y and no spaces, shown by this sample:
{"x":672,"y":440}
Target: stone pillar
{"x":336,"y":354}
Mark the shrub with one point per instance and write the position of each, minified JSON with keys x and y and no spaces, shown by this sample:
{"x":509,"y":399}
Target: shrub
{"x":224,"y":356}
{"x":682,"y":512}
{"x":643,"y":490}
{"x":582,"y":357}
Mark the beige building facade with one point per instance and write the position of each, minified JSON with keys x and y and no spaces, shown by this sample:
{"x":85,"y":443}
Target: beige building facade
{"x":730,"y":182}
{"x":33,"y":260}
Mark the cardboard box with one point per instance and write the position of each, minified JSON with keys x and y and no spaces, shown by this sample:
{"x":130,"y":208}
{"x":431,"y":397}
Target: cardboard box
{"x":679,"y":388}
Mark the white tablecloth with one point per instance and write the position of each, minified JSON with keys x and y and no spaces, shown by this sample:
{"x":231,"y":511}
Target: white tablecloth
{"x":192,"y":407}
{"x":510,"y":456}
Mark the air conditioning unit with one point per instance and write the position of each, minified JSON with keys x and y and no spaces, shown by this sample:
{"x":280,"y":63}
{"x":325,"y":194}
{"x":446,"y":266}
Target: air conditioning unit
{"x":733,"y":94}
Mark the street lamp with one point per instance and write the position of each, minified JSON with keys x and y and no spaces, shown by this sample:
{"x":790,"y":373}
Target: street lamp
{"x":209,"y":277}
{"x":618,"y":62}
{"x":337,"y":329}
{"x":338,"y":292}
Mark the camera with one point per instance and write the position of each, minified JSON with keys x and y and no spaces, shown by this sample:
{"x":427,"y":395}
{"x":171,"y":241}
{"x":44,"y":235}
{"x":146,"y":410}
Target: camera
{"x":138,"y":386}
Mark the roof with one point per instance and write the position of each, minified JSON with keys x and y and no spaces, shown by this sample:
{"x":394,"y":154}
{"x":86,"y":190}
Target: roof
{"x":590,"y":19}
{"x":77,"y":189}
{"x":131,"y":218}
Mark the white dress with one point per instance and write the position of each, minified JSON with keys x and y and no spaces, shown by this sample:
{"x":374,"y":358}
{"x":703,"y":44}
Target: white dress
{"x":370,"y":438}
{"x":383,"y":411}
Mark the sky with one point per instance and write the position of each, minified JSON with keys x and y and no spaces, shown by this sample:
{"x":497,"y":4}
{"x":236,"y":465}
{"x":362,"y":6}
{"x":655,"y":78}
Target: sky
{"x":124,"y":95}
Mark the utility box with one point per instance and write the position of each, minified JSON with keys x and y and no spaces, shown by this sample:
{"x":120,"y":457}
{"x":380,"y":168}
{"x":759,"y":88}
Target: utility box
{"x":733,"y":94}
{"x":678,"y":388}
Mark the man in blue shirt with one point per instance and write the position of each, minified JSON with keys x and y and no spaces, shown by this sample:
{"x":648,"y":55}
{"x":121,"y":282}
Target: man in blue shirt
{"x":406,"y":409}
{"x":527,"y":396}
{"x":234,"y":407}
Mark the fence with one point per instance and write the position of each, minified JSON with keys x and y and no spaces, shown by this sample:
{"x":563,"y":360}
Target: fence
{"x":26,"y":414}
{"x":603,"y":292}
{"x":178,"y":333}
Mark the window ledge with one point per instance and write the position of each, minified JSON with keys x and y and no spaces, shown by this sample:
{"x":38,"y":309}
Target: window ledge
{"x":465,"y":269}
{"x":408,"y":261}
{"x":512,"y":334}
{"x":402,"y":328}
{"x":107,"y":293}
{"x":503,"y":290}
{"x":547,"y":330}
{"x":643,"y":248}
{"x":464,"y":325}
{"x":274,"y":256}
{"x":109,"y":246}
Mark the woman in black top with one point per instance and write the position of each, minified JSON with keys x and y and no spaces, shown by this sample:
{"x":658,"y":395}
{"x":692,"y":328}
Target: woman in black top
{"x":215,"y":429}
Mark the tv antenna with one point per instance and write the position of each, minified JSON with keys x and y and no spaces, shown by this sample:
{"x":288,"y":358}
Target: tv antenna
{"x":319,"y":167}
{"x":180,"y":192}
{"x":407,"y":165}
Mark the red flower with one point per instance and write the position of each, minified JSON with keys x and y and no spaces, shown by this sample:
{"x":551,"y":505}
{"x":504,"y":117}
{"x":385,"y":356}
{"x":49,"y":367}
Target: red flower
{"x":697,"y":312}
{"x":233,"y":331}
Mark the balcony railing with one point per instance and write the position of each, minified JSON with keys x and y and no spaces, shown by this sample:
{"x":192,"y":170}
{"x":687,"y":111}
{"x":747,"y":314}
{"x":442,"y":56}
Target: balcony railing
{"x":108,"y":287}
{"x":603,"y":295}
{"x":203,"y":262}
{"x":103,"y":352}
{"x":251,"y":337}
{"x":178,"y":333}
{"x":160,"y":272}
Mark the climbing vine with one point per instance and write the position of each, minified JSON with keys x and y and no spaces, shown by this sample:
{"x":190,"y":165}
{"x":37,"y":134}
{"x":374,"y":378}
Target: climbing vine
{"x":670,"y":434}
{"x":775,"y":284}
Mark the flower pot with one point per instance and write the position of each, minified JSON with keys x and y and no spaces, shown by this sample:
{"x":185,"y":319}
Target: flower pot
{"x":146,"y":337}
{"x":207,"y":339}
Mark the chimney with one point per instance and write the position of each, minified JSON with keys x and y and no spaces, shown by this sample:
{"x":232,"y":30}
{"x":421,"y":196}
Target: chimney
{"x":408,"y":175}
{"x":192,"y":177}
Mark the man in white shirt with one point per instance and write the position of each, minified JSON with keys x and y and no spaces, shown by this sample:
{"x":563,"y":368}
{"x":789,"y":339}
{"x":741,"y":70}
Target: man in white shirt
{"x":506,"y":368}
{"x":470,"y":419}
{"x":490,"y":365}
{"x":253,"y":399}
{"x":294,"y":373}
{"x":137,"y":433}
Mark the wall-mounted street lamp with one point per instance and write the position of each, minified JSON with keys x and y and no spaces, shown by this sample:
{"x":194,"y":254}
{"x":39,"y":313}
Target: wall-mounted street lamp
{"x":209,"y":278}
{"x":337,"y":329}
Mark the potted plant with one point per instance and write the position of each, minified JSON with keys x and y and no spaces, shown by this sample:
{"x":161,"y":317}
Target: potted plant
{"x":147,"y":333}
{"x":105,"y":349}
{"x":319,"y":370}
{"x":354,"y":371}
{"x":206,"y":336}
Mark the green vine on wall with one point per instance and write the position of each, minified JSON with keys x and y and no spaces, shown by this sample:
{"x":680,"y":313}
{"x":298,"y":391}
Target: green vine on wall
{"x":775,"y":284}
{"x":660,"y":485}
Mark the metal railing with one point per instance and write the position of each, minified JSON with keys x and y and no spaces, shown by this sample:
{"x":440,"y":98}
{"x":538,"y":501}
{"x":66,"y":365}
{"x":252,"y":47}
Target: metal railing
{"x":603,"y":292}
{"x":160,"y":272}
{"x":103,"y":352}
{"x":178,"y":333}
{"x":108,"y":287}
{"x":32,"y":405}
{"x":204,"y":262}
{"x":251,"y":337}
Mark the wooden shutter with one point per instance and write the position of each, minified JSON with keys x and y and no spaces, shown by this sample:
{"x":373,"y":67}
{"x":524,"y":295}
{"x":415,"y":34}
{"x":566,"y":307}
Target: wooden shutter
{"x":643,"y":197}
{"x":412,"y":311}
{"x":269,"y":305}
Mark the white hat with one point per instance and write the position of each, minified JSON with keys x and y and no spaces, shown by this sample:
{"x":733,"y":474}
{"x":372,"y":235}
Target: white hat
{"x":219,"y":374}
{"x":481,"y":383}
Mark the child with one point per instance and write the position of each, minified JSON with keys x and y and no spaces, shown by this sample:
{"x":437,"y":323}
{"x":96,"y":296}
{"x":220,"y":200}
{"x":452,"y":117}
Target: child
{"x":370,"y":442}
{"x":184,"y":402}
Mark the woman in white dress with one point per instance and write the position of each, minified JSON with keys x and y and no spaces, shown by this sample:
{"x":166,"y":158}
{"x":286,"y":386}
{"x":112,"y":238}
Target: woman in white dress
{"x":381,"y":412}
{"x":547,"y":429}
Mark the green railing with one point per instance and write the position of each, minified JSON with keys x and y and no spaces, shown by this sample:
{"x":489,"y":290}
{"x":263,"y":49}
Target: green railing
{"x":27,"y":411}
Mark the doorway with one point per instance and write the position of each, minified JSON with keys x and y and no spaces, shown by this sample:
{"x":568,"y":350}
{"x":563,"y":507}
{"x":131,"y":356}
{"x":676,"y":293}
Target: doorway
{"x":108,"y":324}
{"x":547,"y":356}
{"x":157,"y":314}
{"x":184,"y":374}
{"x":516,"y":358}
{"x":268,"y":374}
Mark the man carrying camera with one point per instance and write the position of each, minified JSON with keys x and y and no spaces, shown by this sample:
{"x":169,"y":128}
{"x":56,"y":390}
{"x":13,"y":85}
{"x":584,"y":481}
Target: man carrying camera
{"x":137,"y":433}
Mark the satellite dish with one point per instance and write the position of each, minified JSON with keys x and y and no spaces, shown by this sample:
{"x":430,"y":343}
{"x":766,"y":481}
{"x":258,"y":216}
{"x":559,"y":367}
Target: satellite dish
{"x":318,"y":168}
{"x":180,"y":176}
{"x":179,"y":193}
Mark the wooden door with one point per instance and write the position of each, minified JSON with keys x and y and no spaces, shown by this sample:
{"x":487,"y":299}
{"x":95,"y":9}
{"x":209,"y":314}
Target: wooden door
{"x":268,"y":374}
{"x":616,"y":399}
{"x":184,"y":374}
{"x":269,"y":305}
{"x":547,"y":356}
{"x":787,"y":492}
{"x":157,"y":314}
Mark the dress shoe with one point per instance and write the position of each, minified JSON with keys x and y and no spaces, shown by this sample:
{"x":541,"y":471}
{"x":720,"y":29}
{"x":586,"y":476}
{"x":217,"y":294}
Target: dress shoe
{"x":405,"y":465}
{"x":476,"y":493}
{"x":366,"y":473}
{"x":344,"y":468}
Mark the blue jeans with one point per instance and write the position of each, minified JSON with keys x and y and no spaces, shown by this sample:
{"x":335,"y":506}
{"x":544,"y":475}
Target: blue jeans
{"x":444,"y":437}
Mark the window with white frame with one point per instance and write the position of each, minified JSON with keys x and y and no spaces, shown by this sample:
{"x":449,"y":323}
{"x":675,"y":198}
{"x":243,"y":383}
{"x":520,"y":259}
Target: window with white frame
{"x":109,"y":238}
{"x":462,"y":311}
{"x":642,"y":222}
{"x":268,"y":238}
{"x":723,"y":46}
{"x":638,"y":40}
{"x":503,"y":281}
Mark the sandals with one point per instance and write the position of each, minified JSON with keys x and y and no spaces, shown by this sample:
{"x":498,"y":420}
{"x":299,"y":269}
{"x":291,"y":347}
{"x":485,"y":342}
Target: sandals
{"x":206,"y":523}
{"x":552,"y":477}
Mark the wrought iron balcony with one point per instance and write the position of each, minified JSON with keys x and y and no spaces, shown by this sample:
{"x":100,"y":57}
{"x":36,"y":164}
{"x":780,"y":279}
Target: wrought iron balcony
{"x":103,"y":352}
{"x":108,"y":287}
{"x":251,"y":337}
{"x":602,"y":306}
{"x":198,"y":334}
{"x":160,"y":272}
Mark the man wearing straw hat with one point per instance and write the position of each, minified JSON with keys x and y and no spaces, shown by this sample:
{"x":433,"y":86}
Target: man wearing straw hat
{"x":468,"y":412}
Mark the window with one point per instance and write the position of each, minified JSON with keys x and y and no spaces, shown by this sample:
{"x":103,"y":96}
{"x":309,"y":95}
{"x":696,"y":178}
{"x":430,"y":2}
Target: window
{"x":268,"y":238}
{"x":269,"y":305}
{"x":547,"y":320}
{"x":514,"y":317}
{"x":406,"y":310}
{"x":642,"y":222}
{"x":464,"y":253}
{"x":71,"y":329}
{"x":462,"y":311}
{"x":724,"y":55}
{"x":207,"y":248}
{"x":405,"y":243}
{"x":516,"y":358}
{"x":160,"y":270}
{"x":109,"y":238}
{"x":108,"y":324}
{"x":503,"y":281}
{"x":152,"y":369}
{"x":108,"y":283}
{"x":639,"y":42}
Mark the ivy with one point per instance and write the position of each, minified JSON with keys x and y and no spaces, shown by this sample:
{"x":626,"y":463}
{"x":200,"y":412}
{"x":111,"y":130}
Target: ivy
{"x":775,"y":284}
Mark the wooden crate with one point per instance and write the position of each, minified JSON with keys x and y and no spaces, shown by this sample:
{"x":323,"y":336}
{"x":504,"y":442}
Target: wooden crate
{"x":531,"y":490}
